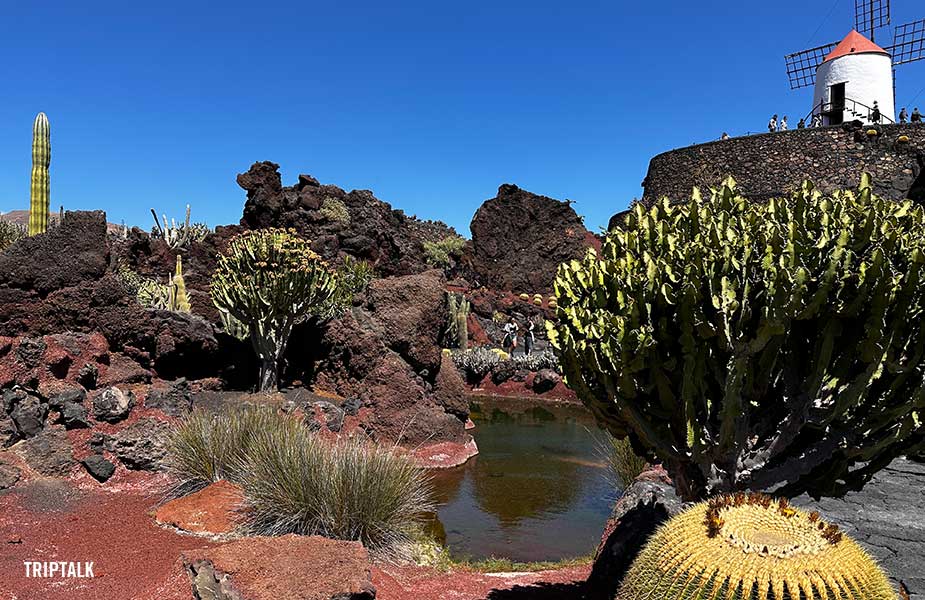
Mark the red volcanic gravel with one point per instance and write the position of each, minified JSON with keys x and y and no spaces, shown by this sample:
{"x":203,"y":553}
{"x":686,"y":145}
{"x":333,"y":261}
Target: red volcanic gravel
{"x":51,"y":520}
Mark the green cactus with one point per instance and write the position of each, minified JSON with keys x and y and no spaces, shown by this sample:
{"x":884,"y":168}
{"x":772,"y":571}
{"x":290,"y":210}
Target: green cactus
{"x":40,"y":191}
{"x":457,"y":325}
{"x":750,"y":547}
{"x":270,"y":279}
{"x":747,"y":345}
{"x":179,"y":301}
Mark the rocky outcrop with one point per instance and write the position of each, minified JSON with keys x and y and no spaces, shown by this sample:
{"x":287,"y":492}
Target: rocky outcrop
{"x":519,"y":239}
{"x":211,"y":510}
{"x":289,"y":567}
{"x":338,"y":222}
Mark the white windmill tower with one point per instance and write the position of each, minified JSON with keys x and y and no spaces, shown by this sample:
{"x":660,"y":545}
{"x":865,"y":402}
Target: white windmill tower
{"x":855,"y":75}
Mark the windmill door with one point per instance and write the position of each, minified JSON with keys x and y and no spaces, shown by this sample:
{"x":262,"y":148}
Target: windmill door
{"x":837,"y":101}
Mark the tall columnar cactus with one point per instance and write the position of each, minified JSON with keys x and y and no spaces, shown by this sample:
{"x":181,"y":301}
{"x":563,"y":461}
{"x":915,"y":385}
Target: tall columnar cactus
{"x":747,"y":345}
{"x":269,"y":280}
{"x":179,"y":300}
{"x":750,"y":547}
{"x":40,"y":191}
{"x":457,"y":325}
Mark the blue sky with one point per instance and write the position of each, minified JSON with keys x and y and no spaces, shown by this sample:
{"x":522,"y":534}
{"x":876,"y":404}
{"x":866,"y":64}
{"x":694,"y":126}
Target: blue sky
{"x":431,"y":105}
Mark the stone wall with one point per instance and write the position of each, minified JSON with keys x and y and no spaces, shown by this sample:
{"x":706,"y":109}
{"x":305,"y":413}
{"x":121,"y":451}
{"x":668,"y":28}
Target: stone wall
{"x":773,"y":164}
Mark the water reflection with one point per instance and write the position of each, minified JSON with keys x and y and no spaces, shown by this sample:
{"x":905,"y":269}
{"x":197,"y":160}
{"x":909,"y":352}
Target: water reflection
{"x":538,"y":489}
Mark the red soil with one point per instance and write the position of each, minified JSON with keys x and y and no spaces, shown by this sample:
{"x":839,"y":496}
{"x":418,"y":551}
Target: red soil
{"x":211,"y":510}
{"x":444,"y":455}
{"x":416,"y":583}
{"x":523,"y":390}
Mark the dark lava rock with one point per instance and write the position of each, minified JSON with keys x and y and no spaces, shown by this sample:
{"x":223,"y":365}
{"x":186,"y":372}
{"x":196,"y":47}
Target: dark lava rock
{"x":28,"y":413}
{"x":88,"y":376}
{"x":49,"y":453}
{"x":503,"y":371}
{"x":30,"y":351}
{"x":67,"y":255}
{"x":369,"y":230}
{"x":174,"y":400}
{"x":645,"y":505}
{"x":142,"y":445}
{"x":7,"y":432}
{"x":519,"y":239}
{"x":74,"y":416}
{"x":100,"y":468}
{"x":68,"y":395}
{"x":450,"y":389}
{"x":112,"y":405}
{"x":9,"y":475}
{"x":324,"y":414}
{"x":545,"y":380}
{"x":351,"y":406}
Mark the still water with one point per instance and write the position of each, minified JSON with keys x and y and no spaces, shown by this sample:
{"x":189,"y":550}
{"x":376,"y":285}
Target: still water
{"x":538,"y":490}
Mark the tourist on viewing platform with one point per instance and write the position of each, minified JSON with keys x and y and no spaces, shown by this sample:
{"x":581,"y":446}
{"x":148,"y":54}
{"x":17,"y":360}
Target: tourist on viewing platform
{"x":725,"y":136}
{"x":875,"y":114}
{"x":772,"y":124}
{"x":510,"y":337}
{"x":817,"y":121}
{"x":528,"y":337}
{"x":916,"y":116}
{"x":903,"y":116}
{"x":783,"y":124}
{"x":801,"y":124}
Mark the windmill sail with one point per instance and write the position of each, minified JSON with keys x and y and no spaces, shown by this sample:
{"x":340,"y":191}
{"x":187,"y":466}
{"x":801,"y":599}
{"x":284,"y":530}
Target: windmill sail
{"x":870,"y":15}
{"x":801,"y":66}
{"x":908,"y":43}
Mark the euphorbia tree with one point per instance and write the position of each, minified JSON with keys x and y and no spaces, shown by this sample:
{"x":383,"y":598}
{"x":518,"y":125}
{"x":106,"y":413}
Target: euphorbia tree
{"x":754,"y":346}
{"x":269,"y":280}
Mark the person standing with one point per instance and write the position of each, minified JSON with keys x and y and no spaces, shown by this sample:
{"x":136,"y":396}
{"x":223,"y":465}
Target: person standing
{"x":510,"y":336}
{"x":801,"y":124}
{"x":783,"y":124}
{"x":772,"y":124}
{"x":528,"y":337}
{"x":875,"y":114}
{"x":916,"y":116}
{"x":903,"y":116}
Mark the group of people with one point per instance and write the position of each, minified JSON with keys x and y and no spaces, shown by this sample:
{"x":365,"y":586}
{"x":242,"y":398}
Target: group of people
{"x":511,"y":330}
{"x":904,"y":116}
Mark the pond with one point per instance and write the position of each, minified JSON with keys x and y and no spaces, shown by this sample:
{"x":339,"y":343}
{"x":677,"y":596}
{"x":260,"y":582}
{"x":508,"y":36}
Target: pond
{"x":539,"y":489}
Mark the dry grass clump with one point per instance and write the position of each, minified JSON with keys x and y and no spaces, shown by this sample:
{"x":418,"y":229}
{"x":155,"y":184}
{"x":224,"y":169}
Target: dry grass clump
{"x":295,"y":482}
{"x":625,"y":466}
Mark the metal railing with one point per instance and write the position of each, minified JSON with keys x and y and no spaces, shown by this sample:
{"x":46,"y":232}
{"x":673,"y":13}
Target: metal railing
{"x":855,"y":108}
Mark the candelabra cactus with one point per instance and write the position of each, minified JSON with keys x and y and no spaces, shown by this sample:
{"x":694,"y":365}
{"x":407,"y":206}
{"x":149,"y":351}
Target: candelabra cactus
{"x":457,"y":325}
{"x":269,"y":280}
{"x":40,"y":190}
{"x":747,"y":345}
{"x":750,"y":547}
{"x":179,"y":300}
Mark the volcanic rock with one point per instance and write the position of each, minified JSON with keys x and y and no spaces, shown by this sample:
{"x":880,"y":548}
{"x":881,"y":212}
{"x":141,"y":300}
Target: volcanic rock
{"x":27,"y":412}
{"x":112,"y":405}
{"x":98,"y":467}
{"x":74,"y":416}
{"x":210,"y":510}
{"x":49,"y":453}
{"x":174,"y":400}
{"x":545,"y":380}
{"x":450,"y":389}
{"x":142,"y":445}
{"x":289,"y":567}
{"x":362,"y":226}
{"x":9,"y":475}
{"x":519,"y":239}
{"x":324,"y":414}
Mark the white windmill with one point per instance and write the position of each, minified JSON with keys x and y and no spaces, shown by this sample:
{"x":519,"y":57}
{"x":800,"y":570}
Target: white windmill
{"x":854,"y":76}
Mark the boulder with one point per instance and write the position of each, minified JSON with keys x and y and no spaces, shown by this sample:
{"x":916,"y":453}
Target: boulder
{"x":324,"y":415}
{"x":648,"y":502}
{"x":173,"y":400}
{"x":98,"y":467}
{"x":112,"y":405}
{"x":519,"y":239}
{"x":450,"y":389}
{"x":142,"y":445}
{"x":545,"y":380}
{"x":361,"y":225}
{"x":289,"y":567}
{"x":7,"y":431}
{"x":9,"y":475}
{"x":48,"y":453}
{"x":27,"y":412}
{"x":74,"y":416}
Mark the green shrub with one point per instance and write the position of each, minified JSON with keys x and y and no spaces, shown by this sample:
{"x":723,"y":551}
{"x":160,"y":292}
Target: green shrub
{"x":353,"y":277}
{"x":335,"y":210}
{"x":624,"y":464}
{"x":10,"y":233}
{"x":752,"y":345}
{"x":293,"y":481}
{"x":269,"y":280}
{"x":438,"y":254}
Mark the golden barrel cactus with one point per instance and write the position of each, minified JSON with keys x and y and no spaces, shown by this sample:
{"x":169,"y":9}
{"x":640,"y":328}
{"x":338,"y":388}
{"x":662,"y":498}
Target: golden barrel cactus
{"x":752,"y":547}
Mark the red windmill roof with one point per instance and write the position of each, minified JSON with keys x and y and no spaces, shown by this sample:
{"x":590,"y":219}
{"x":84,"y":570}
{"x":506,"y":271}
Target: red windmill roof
{"x":854,"y":43}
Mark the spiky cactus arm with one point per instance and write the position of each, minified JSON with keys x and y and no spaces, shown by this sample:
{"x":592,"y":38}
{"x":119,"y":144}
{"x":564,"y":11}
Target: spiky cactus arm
{"x":750,"y":547}
{"x":180,"y":301}
{"x":749,"y":345}
{"x":269,"y":280}
{"x":40,"y":190}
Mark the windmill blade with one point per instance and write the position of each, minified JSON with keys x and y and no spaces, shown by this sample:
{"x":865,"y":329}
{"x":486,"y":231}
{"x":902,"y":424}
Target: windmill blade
{"x":908,"y":43}
{"x":870,"y":15}
{"x":801,"y":66}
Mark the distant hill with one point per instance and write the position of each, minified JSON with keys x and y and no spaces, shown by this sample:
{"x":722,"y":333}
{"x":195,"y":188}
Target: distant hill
{"x":22,"y":217}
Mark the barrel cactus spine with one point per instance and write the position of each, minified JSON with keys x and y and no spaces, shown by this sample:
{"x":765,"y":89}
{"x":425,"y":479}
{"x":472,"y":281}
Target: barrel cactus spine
{"x":750,"y":546}
{"x":40,"y":190}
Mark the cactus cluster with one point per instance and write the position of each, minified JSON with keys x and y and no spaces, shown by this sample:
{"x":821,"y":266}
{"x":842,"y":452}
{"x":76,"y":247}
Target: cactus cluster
{"x":151,"y":293}
{"x":752,"y":547}
{"x":746,"y":345}
{"x":179,"y":237}
{"x":40,"y":190}
{"x":457,"y":325}
{"x":269,"y":280}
